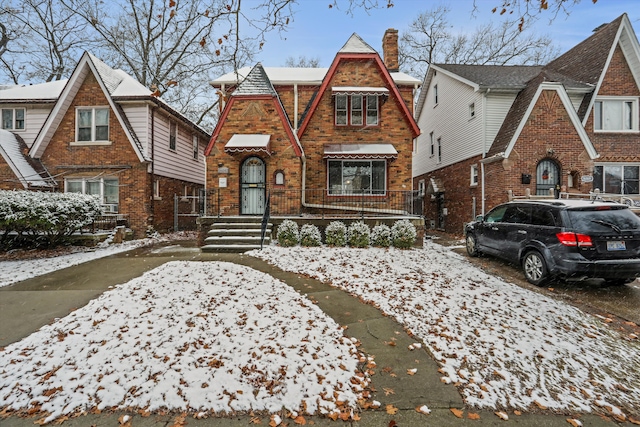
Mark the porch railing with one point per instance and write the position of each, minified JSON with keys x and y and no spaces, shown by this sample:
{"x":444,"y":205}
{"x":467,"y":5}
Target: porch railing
{"x":284,"y":202}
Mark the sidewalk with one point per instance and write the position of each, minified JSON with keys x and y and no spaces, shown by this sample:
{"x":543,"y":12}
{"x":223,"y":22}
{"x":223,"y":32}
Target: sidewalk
{"x":26,"y":306}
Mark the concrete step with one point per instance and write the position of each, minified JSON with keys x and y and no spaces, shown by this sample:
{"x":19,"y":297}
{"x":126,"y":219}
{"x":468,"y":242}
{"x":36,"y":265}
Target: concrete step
{"x":236,"y":232}
{"x":229,"y":248}
{"x":237,"y":225}
{"x":235,"y":240}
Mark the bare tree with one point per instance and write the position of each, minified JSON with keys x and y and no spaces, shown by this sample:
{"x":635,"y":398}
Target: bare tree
{"x":53,"y":37}
{"x":527,"y":10}
{"x":302,"y":62}
{"x":431,"y":39}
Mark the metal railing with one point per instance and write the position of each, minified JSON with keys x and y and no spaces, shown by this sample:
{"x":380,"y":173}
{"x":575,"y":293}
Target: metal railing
{"x":318,"y":202}
{"x":109,"y":222}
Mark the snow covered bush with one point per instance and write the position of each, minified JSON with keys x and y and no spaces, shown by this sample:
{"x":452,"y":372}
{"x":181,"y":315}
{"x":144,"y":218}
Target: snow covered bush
{"x":336,"y":234}
{"x":403,"y":234}
{"x":288,"y":234}
{"x":30,"y":218}
{"x":381,"y":236}
{"x":358,"y":235}
{"x":310,"y":235}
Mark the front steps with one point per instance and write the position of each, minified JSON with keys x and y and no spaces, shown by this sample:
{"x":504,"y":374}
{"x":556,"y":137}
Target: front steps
{"x":235,"y":234}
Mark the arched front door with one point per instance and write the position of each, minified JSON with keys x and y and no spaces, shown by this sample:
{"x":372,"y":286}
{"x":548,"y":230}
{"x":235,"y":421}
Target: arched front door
{"x":252,"y":187}
{"x":547,"y":176}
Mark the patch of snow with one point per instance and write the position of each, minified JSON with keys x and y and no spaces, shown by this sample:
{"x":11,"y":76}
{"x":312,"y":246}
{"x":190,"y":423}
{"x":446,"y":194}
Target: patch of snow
{"x":505,"y":346}
{"x":206,"y":337}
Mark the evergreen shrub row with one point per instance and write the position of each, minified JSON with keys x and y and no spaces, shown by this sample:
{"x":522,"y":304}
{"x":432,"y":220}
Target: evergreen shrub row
{"x":358,"y":235}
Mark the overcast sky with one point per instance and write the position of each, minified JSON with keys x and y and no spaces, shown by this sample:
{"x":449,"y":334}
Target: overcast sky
{"x":319,"y":32}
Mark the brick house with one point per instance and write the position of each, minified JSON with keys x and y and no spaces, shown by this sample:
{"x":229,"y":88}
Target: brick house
{"x":313,"y":138}
{"x":569,"y":126}
{"x":101,"y":132}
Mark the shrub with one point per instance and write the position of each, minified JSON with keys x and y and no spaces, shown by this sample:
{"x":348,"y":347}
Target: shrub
{"x":359,"y":235}
{"x":381,"y":236}
{"x":310,"y":235}
{"x":403,"y":234}
{"x":32,"y":219}
{"x":336,"y":234}
{"x":288,"y":234}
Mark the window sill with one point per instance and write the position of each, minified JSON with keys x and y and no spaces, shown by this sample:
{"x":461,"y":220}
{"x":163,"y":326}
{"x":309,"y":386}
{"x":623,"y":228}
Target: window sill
{"x":89,"y":143}
{"x":157,"y":198}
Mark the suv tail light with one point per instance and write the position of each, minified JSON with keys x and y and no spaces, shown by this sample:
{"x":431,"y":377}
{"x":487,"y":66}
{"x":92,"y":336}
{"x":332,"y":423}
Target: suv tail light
{"x":575,"y":239}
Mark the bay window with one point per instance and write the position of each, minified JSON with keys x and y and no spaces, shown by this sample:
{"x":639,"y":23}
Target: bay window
{"x":357,"y":177}
{"x":617,"y":178}
{"x":615,"y":115}
{"x":92,"y":124}
{"x":106,"y":189}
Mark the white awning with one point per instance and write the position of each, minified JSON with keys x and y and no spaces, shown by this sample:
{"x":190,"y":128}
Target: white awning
{"x":248,"y":142}
{"x":359,"y":90}
{"x":360,"y":151}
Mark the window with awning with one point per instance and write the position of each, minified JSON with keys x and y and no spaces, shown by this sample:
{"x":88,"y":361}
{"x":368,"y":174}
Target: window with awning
{"x":248,"y":143}
{"x":357,"y":106}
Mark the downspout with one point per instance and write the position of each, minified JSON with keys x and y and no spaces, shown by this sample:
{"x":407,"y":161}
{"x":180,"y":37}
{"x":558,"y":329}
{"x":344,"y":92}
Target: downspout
{"x":484,"y":147}
{"x":295,"y":107}
{"x":153,"y":164}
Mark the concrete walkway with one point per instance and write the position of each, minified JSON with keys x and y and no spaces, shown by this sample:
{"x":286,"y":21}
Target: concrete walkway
{"x":28,"y":305}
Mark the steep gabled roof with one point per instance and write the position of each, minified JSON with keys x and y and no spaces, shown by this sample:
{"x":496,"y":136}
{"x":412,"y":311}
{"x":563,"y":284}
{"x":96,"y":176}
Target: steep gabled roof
{"x":29,"y":172}
{"x":256,"y":86}
{"x":521,"y":109}
{"x":108,"y":79}
{"x":356,"y":48}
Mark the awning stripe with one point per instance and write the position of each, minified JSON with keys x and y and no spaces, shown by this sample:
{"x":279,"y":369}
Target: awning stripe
{"x":248,"y":142}
{"x":360,"y":151}
{"x":359,"y":90}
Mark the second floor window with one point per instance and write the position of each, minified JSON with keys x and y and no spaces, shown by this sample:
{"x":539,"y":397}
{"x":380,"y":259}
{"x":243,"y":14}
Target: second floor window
{"x":615,"y":115}
{"x":356,"y":110}
{"x":13,"y":118}
{"x":92,"y":124}
{"x":173,"y":133}
{"x":439,"y":150}
{"x":195,"y":147}
{"x":474,"y":175}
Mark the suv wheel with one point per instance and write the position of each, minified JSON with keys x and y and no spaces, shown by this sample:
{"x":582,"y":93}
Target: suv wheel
{"x":535,"y":268}
{"x":472,"y":245}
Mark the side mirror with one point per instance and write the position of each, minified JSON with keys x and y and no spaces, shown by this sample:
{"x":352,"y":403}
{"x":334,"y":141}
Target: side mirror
{"x":479,"y":218}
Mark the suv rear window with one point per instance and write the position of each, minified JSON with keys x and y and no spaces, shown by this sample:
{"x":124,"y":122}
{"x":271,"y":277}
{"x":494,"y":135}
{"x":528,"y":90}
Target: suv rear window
{"x":603,"y":220}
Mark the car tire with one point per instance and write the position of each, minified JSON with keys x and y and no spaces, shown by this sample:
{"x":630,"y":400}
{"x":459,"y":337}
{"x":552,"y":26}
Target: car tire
{"x":617,"y":282}
{"x":472,"y":245}
{"x":535,"y":268}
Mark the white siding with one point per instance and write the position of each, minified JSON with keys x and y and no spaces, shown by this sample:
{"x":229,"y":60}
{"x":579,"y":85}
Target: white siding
{"x":138,"y":116}
{"x":576,"y":100}
{"x":34,"y":118}
{"x":461,"y":135}
{"x":180,"y":163}
{"x":498,"y":105}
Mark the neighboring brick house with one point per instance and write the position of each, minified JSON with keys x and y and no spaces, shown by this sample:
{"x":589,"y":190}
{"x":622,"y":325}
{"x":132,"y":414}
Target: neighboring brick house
{"x":571,"y":125}
{"x":101,"y":132}
{"x":314,"y":136}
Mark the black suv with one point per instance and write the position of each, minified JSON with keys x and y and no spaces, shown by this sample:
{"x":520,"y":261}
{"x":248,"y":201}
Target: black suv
{"x":569,"y":239}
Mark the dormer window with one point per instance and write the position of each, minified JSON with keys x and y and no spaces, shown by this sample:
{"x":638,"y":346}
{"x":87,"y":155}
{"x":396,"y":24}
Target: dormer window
{"x":13,"y":118}
{"x":356,"y":106}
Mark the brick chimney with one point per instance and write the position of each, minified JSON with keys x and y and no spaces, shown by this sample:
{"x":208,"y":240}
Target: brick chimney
{"x":390,"y":50}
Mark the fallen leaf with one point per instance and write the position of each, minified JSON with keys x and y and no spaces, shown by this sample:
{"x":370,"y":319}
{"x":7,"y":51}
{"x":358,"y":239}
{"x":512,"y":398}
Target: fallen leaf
{"x":540,"y":405}
{"x":634,"y":421}
{"x":457,"y":412}
{"x":300,"y":420}
{"x":574,"y":422}
{"x":412,"y":371}
{"x":502,"y":415}
{"x":473,"y":416}
{"x":391,"y":410}
{"x":388,"y":391}
{"x":423,"y":409}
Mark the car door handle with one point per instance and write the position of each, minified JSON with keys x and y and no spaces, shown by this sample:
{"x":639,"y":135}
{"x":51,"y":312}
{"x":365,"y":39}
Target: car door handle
{"x":495,"y":228}
{"x":522,"y":232}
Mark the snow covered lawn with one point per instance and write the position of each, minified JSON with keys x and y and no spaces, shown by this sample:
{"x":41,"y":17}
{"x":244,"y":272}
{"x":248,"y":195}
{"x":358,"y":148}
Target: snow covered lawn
{"x":198,"y":336}
{"x":16,"y":271}
{"x":504,"y":347}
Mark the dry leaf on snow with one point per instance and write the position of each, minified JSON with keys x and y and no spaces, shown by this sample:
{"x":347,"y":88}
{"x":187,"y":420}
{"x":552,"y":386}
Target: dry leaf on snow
{"x":473,"y":416}
{"x":423,"y":409}
{"x":574,"y":422}
{"x":391,"y":410}
{"x":502,"y":415}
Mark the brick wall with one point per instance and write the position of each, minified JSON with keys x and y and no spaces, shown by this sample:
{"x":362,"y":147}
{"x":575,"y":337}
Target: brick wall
{"x":118,"y":159}
{"x":163,"y":206}
{"x":393,"y":128}
{"x":252,"y":116}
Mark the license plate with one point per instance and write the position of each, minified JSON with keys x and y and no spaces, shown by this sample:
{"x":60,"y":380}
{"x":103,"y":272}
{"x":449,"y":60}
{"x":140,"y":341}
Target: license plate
{"x":616,"y":246}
